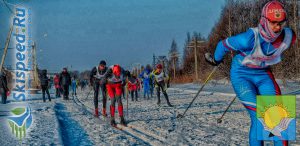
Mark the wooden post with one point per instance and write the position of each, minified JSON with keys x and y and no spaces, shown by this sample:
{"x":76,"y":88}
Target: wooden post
{"x":196,"y":59}
{"x":6,"y":47}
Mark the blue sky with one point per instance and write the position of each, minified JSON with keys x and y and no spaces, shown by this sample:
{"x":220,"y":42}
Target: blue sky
{"x":82,"y":32}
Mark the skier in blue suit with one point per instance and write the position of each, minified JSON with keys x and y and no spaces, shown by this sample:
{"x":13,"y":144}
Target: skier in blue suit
{"x":257,"y":49}
{"x":145,"y":75}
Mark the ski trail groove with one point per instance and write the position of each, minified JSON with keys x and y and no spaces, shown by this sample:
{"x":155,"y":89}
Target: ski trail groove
{"x":71,"y":132}
{"x":131,"y":132}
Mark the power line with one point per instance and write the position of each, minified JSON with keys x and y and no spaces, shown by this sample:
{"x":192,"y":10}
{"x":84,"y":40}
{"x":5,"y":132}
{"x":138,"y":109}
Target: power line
{"x":5,"y":3}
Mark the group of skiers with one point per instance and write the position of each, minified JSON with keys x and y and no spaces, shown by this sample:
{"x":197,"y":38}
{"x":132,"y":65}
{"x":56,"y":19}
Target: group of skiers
{"x":112,"y":80}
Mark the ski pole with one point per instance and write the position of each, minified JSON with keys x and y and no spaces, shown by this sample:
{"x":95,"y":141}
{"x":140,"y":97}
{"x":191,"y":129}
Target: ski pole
{"x":219,"y":120}
{"x":208,"y":78}
{"x":88,"y":93}
{"x":126,"y":89}
{"x":127,"y":106}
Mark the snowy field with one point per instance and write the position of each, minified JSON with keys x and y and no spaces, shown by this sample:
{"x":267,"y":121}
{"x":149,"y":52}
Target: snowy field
{"x":71,"y":122}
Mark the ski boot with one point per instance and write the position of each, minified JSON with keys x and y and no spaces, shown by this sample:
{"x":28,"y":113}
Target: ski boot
{"x":123,"y":122}
{"x":104,"y":112}
{"x":113,"y":122}
{"x":96,"y":112}
{"x":158,"y":102}
{"x":170,"y":105}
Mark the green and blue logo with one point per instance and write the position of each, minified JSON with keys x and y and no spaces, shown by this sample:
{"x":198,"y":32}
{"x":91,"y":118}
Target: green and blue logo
{"x":20,"y":121}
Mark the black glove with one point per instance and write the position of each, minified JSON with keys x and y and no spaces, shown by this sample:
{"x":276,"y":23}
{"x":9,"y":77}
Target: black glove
{"x":168,"y":85}
{"x":211,"y":60}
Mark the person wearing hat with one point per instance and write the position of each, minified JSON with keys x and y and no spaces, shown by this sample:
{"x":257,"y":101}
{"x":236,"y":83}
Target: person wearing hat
{"x":56,"y":85}
{"x":257,"y":49}
{"x":98,"y":80}
{"x":115,"y":80}
{"x":65,"y":82}
{"x":161,"y":80}
{"x":45,"y":84}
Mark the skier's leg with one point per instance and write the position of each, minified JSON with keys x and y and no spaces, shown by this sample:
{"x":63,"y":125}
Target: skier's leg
{"x":47,"y":91}
{"x":3,"y":95}
{"x":56,"y":95}
{"x":267,"y":85}
{"x":144,"y":92}
{"x":96,"y":94}
{"x":43,"y":91}
{"x":131,"y":94}
{"x":146,"y":89}
{"x":104,"y":99}
{"x":246,"y":91}
{"x":112,"y":111}
{"x":158,"y":94}
{"x":58,"y":92}
{"x":64,"y":91}
{"x":67,"y":91}
{"x":151,"y":90}
{"x":111,"y":92}
{"x":164,"y":91}
{"x":119,"y":91}
{"x":136,"y":95}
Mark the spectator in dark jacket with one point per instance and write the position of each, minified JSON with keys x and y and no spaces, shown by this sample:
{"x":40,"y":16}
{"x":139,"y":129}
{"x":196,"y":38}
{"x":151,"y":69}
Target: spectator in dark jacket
{"x":65,"y":82}
{"x":45,"y":83}
{"x":4,"y":91}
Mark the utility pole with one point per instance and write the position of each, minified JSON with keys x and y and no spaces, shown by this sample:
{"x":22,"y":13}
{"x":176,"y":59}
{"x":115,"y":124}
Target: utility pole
{"x":195,"y":45}
{"x":5,"y":48}
{"x":173,"y":57}
{"x":35,"y":69}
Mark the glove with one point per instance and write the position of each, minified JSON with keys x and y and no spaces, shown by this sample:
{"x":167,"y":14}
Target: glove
{"x":168,"y":85}
{"x":211,"y":60}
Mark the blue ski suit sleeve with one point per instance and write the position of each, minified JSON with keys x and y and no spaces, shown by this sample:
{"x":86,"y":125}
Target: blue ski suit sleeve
{"x":242,"y":42}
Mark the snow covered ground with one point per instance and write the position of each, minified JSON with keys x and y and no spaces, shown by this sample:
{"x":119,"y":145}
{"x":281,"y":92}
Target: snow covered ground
{"x":71,"y":122}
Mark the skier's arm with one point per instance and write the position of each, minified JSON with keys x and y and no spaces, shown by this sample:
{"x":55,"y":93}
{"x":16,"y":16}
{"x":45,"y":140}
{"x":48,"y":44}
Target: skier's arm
{"x":241,"y":43}
{"x":108,"y":73}
{"x":92,"y":73}
{"x":141,"y":75}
